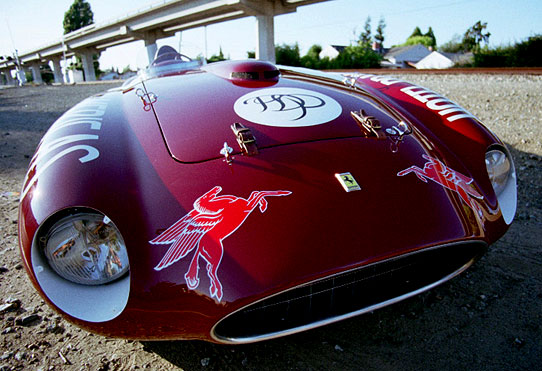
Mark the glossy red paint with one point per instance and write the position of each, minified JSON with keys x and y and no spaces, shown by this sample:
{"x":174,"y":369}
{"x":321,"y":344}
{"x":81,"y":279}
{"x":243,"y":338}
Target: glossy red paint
{"x":212,"y":219}
{"x":439,"y":173}
{"x":145,"y":169}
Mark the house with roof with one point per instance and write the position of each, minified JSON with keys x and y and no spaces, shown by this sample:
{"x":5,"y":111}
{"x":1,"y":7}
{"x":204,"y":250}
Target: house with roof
{"x":440,"y":60}
{"x":405,"y":56}
{"x":331,"y":51}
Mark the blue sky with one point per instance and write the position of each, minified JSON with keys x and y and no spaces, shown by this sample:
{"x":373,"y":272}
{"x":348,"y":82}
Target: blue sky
{"x":26,"y":24}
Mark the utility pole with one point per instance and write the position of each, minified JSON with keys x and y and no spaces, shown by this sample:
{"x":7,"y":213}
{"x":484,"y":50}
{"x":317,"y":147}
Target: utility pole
{"x":18,"y":66}
{"x":205,"y":29}
{"x":66,"y":77}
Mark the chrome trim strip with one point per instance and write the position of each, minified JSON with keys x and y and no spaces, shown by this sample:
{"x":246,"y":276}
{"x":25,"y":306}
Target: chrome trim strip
{"x":295,"y":330}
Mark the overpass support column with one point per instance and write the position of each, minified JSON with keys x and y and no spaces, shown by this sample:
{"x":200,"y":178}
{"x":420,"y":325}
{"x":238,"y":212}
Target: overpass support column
{"x":36,"y":74}
{"x":9,"y":79}
{"x":265,"y":49}
{"x":150,"y":45}
{"x":57,"y":71}
{"x":88,"y":65}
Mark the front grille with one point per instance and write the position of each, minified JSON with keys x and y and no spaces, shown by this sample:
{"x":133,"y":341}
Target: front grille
{"x":347,"y":294}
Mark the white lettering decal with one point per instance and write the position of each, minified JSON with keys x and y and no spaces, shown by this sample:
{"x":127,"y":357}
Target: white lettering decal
{"x":94,"y":123}
{"x":421,"y":95}
{"x":384,"y":80}
{"x":460,"y":116}
{"x":54,"y":144}
{"x":88,"y":109}
{"x":436,"y":102}
{"x":432,"y":100}
{"x":435,"y":106}
{"x":92,"y":154}
{"x":88,"y":113}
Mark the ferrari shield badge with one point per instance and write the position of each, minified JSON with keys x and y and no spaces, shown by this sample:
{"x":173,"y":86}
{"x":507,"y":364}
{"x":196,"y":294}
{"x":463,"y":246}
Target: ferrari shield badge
{"x":348,"y":182}
{"x":203,"y":229}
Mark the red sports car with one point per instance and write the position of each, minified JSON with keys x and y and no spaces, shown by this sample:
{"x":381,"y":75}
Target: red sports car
{"x":240,"y":201}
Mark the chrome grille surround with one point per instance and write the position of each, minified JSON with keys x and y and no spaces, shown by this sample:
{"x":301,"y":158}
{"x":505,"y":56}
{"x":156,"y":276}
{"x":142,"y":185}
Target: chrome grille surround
{"x":347,"y":294}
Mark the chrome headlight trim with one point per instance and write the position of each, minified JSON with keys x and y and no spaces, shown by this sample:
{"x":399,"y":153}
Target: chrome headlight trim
{"x":86,"y":248}
{"x":502,"y":174}
{"x":92,"y":303}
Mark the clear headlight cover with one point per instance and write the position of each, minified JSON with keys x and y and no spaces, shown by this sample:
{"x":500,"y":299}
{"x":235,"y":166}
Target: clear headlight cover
{"x":86,"y":248}
{"x":502,"y":175}
{"x":498,"y":168}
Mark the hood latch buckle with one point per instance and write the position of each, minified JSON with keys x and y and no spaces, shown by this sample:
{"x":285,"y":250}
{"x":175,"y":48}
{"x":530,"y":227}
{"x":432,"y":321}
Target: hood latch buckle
{"x":245,"y":139}
{"x":369,"y":125}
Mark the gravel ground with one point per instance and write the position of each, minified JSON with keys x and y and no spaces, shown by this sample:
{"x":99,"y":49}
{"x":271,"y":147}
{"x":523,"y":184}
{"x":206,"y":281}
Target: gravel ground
{"x":488,"y":318}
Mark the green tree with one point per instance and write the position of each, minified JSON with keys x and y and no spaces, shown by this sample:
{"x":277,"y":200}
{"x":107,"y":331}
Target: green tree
{"x":365,"y":37}
{"x":474,"y":36}
{"x":501,"y":56}
{"x":312,"y":58}
{"x":431,"y":35}
{"x":217,"y":57}
{"x":529,"y":52}
{"x":428,"y":39}
{"x":78,"y":15}
{"x":415,"y":40}
{"x":288,"y":55}
{"x":315,"y":51}
{"x":452,"y":46}
{"x":379,"y":37}
{"x":356,"y":56}
{"x":417,"y":32}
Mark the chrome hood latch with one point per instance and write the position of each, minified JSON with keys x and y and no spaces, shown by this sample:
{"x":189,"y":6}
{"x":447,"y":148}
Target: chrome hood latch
{"x":245,"y":138}
{"x":369,"y":125}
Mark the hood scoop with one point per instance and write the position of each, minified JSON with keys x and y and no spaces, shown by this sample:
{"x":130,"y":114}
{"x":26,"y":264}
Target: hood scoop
{"x":249,"y":73}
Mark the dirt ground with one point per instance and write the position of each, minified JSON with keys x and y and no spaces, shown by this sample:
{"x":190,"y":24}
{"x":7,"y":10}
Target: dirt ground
{"x":489,"y":318}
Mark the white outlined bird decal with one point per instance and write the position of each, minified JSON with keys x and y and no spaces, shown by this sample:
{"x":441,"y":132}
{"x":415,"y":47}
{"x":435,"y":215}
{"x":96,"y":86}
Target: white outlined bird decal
{"x":212,"y":219}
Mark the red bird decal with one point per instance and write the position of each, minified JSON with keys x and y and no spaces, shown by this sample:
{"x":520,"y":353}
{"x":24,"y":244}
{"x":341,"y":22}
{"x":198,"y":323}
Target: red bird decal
{"x":446,"y":177}
{"x":212,"y":219}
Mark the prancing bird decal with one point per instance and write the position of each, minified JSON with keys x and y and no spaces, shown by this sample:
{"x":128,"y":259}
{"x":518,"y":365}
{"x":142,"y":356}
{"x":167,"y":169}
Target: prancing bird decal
{"x":212,"y":219}
{"x":435,"y":170}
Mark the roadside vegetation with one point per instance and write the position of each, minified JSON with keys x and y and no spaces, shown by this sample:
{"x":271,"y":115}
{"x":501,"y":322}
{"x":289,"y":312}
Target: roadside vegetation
{"x":367,"y":51}
{"x":526,"y":53}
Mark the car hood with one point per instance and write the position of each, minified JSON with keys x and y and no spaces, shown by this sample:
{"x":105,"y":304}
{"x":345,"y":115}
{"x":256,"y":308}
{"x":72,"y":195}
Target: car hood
{"x":196,"y":112}
{"x":310,"y":224}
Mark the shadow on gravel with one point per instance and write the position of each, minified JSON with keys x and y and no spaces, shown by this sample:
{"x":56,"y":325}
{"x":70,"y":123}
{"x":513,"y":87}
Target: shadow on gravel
{"x":488,"y":318}
{"x":27,"y":112}
{"x":35,"y":121}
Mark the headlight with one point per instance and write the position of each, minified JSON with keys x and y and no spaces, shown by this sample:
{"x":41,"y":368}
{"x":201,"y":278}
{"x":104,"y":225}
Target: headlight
{"x":86,"y":248}
{"x":498,"y":169}
{"x":502,"y":175}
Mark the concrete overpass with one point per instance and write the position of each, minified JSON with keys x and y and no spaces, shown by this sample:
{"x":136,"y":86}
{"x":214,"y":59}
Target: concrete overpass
{"x":155,"y":22}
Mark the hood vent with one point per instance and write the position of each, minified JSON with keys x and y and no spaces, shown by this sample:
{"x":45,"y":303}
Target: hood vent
{"x":263,"y":75}
{"x":245,"y":71}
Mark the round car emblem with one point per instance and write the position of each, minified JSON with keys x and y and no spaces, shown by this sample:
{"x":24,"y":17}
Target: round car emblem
{"x":287,"y":107}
